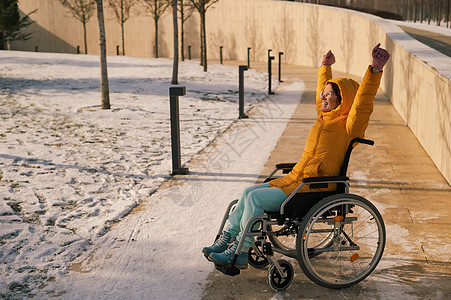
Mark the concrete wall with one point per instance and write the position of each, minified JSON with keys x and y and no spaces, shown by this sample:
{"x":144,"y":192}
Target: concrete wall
{"x":417,"y":78}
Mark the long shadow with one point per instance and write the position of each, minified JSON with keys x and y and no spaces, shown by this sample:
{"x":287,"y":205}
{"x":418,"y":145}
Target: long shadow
{"x":393,"y":185}
{"x":82,"y":60}
{"x":48,"y":163}
{"x":218,"y":177}
{"x":155,"y":87}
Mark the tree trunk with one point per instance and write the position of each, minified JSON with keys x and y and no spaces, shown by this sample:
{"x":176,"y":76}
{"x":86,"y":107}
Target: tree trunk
{"x":201,"y":45}
{"x":175,"y":64}
{"x":439,"y":13}
{"x":447,"y":15}
{"x":204,"y":42}
{"x":2,"y":42}
{"x":84,"y":36}
{"x":182,"y":47}
{"x":182,"y":33}
{"x":103,"y":63}
{"x":156,"y":37}
{"x":123,"y":38}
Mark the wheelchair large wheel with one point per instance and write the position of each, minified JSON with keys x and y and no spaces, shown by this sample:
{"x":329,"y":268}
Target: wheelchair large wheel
{"x":347,"y":236}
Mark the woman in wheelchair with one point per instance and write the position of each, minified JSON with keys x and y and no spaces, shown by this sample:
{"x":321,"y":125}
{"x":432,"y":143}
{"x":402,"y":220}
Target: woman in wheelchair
{"x":344,"y":110}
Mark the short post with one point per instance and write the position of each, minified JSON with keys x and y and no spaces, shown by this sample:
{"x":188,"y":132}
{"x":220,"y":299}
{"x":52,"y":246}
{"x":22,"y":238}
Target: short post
{"x":117,"y":50}
{"x":36,"y":48}
{"x":242,"y":115}
{"x":174,"y":93}
{"x":189,"y":52}
{"x":280,"y":66}
{"x":78,"y":49}
{"x":270,"y":59}
{"x":220,"y":54}
{"x":249,"y":57}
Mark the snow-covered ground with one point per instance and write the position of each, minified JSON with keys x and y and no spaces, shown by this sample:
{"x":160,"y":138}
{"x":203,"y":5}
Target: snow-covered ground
{"x":442,"y":29}
{"x":70,"y":170}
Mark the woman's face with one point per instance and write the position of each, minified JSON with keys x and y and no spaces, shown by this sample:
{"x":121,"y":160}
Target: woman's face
{"x":329,"y":100}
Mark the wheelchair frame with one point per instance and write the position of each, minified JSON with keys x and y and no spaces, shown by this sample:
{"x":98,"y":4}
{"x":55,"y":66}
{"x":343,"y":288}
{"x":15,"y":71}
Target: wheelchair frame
{"x":331,"y":219}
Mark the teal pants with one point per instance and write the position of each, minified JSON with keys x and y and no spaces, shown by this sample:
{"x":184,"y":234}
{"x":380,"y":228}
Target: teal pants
{"x":253,"y":202}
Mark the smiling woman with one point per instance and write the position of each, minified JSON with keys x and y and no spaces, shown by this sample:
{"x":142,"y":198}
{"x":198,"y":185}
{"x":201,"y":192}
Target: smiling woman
{"x":338,"y":123}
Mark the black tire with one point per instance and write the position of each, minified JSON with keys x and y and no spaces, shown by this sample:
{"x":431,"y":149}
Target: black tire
{"x":276,"y":280}
{"x":357,"y":246}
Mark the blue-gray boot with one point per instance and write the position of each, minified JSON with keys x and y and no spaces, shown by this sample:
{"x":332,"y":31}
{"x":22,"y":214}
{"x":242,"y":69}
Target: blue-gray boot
{"x":225,"y":258}
{"x":219,"y":246}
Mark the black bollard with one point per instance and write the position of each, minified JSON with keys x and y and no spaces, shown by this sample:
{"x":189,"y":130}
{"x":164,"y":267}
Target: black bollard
{"x":36,"y":48}
{"x":280,"y":66}
{"x":174,"y":93}
{"x":270,"y":59}
{"x":117,"y":50}
{"x":249,"y":57}
{"x":220,"y":54}
{"x":78,"y":49}
{"x":241,"y":69}
{"x":189,"y":52}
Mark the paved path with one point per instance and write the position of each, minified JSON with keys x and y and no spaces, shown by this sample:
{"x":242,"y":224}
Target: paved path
{"x":400,"y":179}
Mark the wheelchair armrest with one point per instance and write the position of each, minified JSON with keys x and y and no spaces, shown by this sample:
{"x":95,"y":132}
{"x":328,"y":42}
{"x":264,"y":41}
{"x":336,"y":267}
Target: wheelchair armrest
{"x":285,"y":166}
{"x":363,"y":141}
{"x":325,"y":179}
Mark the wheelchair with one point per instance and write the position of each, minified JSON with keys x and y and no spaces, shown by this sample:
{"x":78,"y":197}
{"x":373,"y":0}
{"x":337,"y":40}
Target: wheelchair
{"x":338,"y":238}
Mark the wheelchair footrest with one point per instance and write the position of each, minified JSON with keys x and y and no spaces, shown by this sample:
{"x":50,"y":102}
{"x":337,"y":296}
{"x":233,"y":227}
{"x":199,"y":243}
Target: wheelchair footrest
{"x":228,"y":270}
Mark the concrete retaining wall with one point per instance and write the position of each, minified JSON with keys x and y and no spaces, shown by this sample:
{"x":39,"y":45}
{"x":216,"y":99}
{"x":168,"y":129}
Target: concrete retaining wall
{"x":417,"y":78}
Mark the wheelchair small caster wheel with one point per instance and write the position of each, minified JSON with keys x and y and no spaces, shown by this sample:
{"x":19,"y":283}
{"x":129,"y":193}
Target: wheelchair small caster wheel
{"x":277,"y":281}
{"x":255,"y":260}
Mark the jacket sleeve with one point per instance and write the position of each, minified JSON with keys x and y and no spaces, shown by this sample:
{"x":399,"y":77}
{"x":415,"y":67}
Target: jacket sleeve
{"x":360,"y":112}
{"x":324,"y":74}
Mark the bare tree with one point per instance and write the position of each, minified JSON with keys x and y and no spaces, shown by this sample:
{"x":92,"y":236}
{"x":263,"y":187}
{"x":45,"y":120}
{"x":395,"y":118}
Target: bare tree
{"x":201,"y":6}
{"x":186,"y":11}
{"x":82,"y":10}
{"x":103,"y":63}
{"x":121,"y":10}
{"x":175,"y":64}
{"x":156,"y":8}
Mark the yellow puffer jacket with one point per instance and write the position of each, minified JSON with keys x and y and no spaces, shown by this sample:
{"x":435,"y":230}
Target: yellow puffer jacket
{"x":328,"y":139}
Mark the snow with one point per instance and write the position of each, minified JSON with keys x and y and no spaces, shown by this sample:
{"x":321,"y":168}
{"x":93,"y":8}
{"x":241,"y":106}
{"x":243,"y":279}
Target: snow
{"x":435,"y":59}
{"x":442,"y":29}
{"x":70,"y":171}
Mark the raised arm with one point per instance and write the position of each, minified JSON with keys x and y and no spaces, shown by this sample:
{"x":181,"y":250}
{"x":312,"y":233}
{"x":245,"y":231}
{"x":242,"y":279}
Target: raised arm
{"x":359,"y":115}
{"x":324,"y":74}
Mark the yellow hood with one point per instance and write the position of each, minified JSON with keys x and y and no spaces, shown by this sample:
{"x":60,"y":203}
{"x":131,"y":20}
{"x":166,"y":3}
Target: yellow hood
{"x":348,"y":90}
